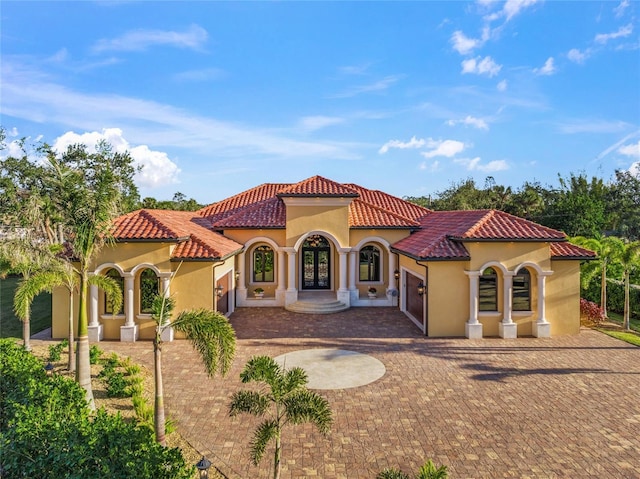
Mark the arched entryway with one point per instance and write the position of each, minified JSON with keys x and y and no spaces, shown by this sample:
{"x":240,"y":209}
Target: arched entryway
{"x":316,"y":263}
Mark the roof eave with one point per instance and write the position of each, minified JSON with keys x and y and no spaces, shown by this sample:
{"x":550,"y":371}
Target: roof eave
{"x":151,"y":240}
{"x":508,"y":240}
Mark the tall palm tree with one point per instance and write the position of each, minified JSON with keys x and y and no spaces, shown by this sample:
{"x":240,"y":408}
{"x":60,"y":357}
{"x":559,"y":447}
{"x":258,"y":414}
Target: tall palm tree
{"x":629,"y":259}
{"x":211,"y":335}
{"x":293,"y":403}
{"x":608,"y":251}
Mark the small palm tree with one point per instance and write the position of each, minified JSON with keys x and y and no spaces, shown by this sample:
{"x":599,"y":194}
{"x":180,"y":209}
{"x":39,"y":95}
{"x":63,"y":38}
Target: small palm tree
{"x":294,"y":403}
{"x":629,"y":258}
{"x":211,"y":335}
{"x":427,"y":471}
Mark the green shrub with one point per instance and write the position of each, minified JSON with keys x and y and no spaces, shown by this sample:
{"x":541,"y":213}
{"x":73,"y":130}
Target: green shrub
{"x":94,"y":354}
{"x":47,"y":430}
{"x":55,"y":350}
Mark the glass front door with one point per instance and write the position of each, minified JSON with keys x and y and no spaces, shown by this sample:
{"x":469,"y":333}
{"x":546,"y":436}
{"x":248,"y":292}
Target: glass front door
{"x":316,"y":264}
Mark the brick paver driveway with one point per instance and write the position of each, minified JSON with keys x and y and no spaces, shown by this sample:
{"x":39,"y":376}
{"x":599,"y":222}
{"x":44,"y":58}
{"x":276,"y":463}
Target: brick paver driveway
{"x":560,"y":407}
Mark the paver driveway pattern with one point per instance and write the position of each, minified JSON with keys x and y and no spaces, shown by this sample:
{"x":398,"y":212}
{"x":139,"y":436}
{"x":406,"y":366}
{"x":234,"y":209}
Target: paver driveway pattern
{"x":530,"y":408}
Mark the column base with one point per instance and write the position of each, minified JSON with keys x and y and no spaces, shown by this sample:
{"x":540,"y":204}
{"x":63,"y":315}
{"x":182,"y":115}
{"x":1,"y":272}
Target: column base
{"x":290,"y":297}
{"x":96,"y":334}
{"x":167,"y":334}
{"x":541,"y":330}
{"x":473,"y":330}
{"x":129,"y":334}
{"x":508,"y":330}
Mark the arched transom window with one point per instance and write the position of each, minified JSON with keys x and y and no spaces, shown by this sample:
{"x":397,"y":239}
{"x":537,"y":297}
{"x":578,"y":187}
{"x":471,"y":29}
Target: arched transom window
{"x":488,"y":290}
{"x":115,"y":275}
{"x":149,"y":288}
{"x":369,"y":263}
{"x":263,"y":264}
{"x":522,"y":291}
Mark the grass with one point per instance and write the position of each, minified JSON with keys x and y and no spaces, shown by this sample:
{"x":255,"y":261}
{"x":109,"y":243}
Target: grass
{"x":634,"y":321}
{"x":628,"y":337}
{"x":10,"y":325}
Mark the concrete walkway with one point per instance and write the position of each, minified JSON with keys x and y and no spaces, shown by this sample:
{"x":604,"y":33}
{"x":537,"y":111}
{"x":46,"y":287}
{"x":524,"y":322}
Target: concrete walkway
{"x":565,"y":407}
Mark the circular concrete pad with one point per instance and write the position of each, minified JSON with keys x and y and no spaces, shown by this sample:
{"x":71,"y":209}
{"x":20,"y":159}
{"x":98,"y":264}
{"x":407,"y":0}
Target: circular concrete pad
{"x":334,"y":368}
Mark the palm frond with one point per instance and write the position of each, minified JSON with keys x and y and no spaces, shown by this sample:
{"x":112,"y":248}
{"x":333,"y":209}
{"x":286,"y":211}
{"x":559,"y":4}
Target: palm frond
{"x":430,"y":471}
{"x":111,"y":287}
{"x":162,"y":308}
{"x":30,"y":287}
{"x":294,"y":378}
{"x":265,"y":369}
{"x":308,"y":406}
{"x":211,"y":335}
{"x":250,"y":402}
{"x":266,"y":431}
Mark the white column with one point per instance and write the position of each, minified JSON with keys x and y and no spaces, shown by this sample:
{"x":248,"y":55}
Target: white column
{"x":473,"y":327}
{"x":507,"y":328}
{"x":343,"y":291}
{"x":95,"y":328}
{"x":291,"y":295}
{"x":165,"y":283}
{"x":129,"y":332}
{"x":392,"y":291}
{"x":241,"y":268}
{"x":282,"y":265}
{"x":542,"y":328}
{"x":353,"y":267}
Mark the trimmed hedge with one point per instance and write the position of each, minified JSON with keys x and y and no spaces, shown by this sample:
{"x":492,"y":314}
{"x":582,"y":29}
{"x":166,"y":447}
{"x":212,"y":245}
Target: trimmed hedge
{"x":47,"y":430}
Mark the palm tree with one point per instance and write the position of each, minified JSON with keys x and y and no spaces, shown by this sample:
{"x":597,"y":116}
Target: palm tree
{"x":427,"y":471}
{"x":608,"y":250}
{"x":60,"y":273}
{"x":211,"y":335}
{"x":629,"y":259}
{"x":287,"y":391}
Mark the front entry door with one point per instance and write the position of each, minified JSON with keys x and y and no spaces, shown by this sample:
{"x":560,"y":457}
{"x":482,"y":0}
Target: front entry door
{"x":316,"y":263}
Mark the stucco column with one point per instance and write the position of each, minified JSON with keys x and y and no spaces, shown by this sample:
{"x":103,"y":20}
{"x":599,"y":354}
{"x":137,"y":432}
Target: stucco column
{"x":95,"y":328}
{"x":343,"y":292}
{"x":241,"y":269}
{"x":353,"y":268}
{"x":542,"y":328}
{"x":291,"y":295}
{"x":282,"y":261}
{"x":507,"y":328}
{"x":392,"y":290}
{"x":129,"y":332}
{"x":165,"y":284}
{"x":473,"y":327}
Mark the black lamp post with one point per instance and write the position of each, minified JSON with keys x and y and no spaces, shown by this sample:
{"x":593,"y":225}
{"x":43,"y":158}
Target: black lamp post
{"x":203,"y":466}
{"x":49,"y":369}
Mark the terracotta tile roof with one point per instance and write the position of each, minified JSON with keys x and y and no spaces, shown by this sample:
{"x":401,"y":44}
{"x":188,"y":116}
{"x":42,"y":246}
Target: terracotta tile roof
{"x":195,"y":240}
{"x":318,"y":186}
{"x":498,"y":225}
{"x":367,"y":215}
{"x":566,"y":250}
{"x":270,"y":213}
{"x":390,"y":203}
{"x":229,"y":206}
{"x":443,"y":233}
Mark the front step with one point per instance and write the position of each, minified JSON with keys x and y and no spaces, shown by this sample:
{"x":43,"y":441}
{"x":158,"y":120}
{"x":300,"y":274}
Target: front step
{"x":317,"y":307}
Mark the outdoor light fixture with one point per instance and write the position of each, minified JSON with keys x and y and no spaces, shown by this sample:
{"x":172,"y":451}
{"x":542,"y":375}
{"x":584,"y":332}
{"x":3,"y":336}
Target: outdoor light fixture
{"x":237,"y":275}
{"x":49,"y":369}
{"x":396,"y":275}
{"x":203,"y":466}
{"x":420,"y":288}
{"x":219,"y":291}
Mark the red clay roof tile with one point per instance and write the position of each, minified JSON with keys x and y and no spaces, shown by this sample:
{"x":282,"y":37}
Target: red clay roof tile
{"x":367,"y":215}
{"x":566,"y":250}
{"x":317,"y":186}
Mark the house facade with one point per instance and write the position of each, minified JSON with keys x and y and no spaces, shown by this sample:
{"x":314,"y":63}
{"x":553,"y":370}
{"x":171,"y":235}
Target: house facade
{"x":322,"y":246}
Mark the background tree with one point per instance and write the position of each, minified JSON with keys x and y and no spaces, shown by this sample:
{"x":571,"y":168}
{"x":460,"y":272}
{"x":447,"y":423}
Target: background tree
{"x":211,"y":335}
{"x":292,"y":403}
{"x":629,"y":258}
{"x":179,"y":202}
{"x":623,"y":206}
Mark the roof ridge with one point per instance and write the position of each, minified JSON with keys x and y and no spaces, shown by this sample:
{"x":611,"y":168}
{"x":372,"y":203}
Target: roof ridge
{"x":386,"y":211}
{"x":148,"y":215}
{"x":480,"y":223}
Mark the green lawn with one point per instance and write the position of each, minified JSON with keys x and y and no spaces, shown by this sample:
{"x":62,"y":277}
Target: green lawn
{"x":634,"y":322}
{"x":629,"y":337}
{"x":10,"y":325}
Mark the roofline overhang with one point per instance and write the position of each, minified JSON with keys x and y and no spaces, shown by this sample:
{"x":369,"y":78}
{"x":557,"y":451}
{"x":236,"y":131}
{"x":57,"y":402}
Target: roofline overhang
{"x":151,"y":240}
{"x":217,"y":228}
{"x":573,"y":258}
{"x":428,"y":258}
{"x":216,"y":258}
{"x":410,"y":228}
{"x":316,"y":195}
{"x":507,"y":240}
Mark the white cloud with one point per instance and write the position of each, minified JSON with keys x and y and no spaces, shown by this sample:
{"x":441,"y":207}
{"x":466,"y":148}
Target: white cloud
{"x":592,"y":126}
{"x":622,"y":32}
{"x":502,"y":85}
{"x":355,"y":69}
{"x":412,"y":143}
{"x":619,"y":10}
{"x":634,"y":169}
{"x":447,"y":148}
{"x":156,"y":167}
{"x":475,"y":164}
{"x":470,"y":121}
{"x":577,"y":56}
{"x":547,"y":69}
{"x":632,"y":149}
{"x":510,"y":9}
{"x":485,"y":66}
{"x":193,"y":37}
{"x":379,"y":85}
{"x":462,"y":44}
{"x":313,"y":123}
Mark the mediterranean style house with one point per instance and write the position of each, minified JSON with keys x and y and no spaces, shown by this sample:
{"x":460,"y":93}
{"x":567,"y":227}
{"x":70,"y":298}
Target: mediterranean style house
{"x":320,"y":246}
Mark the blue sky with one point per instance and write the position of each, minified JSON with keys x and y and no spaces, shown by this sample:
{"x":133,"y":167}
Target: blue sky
{"x":212,"y":98}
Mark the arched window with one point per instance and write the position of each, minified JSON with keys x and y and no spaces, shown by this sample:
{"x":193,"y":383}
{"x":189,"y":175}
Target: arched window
{"x":115,"y":275}
{"x":149,"y":288}
{"x":263,"y":264}
{"x":488,"y":290}
{"x":369,"y":264}
{"x":522,"y":291}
